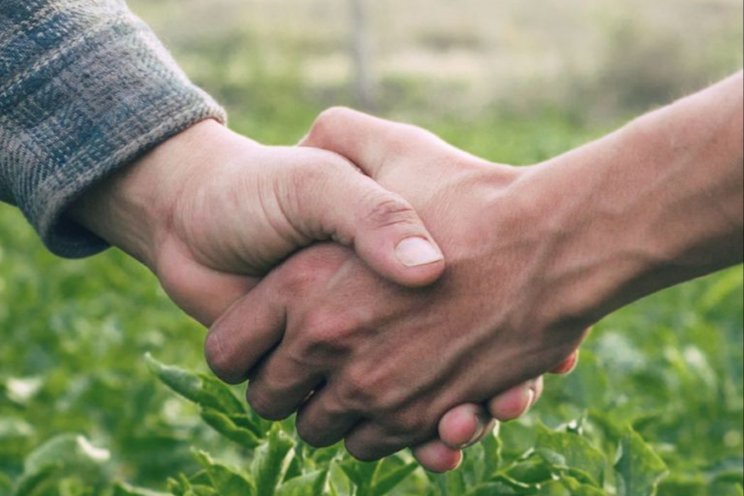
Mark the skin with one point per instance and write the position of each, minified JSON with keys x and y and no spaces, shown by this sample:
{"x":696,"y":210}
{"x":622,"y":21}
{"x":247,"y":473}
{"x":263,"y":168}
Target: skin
{"x":211,"y":212}
{"x":535,"y":255}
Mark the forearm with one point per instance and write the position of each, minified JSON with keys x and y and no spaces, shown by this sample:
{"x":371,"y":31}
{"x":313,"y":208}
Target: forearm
{"x":85,"y":89}
{"x":654,"y":204}
{"x":133,"y":208}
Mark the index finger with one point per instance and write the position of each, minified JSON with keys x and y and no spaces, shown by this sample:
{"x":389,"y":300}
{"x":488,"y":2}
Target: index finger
{"x":248,"y":330}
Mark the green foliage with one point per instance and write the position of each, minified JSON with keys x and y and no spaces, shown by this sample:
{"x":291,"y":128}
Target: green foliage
{"x":66,"y":461}
{"x":639,"y":469}
{"x":561,"y":461}
{"x":85,"y":410}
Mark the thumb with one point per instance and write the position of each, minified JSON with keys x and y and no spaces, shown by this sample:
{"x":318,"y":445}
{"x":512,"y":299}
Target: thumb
{"x":383,"y":228}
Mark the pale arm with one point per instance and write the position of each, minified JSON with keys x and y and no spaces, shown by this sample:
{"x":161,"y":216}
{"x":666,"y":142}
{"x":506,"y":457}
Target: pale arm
{"x":210,"y":212}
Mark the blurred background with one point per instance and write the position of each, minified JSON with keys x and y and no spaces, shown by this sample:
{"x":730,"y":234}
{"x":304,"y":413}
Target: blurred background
{"x":514,"y":81}
{"x":596,"y":60}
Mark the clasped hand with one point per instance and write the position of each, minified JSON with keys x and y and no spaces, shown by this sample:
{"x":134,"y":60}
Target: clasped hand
{"x":359,"y":327}
{"x":378,"y":364}
{"x":380,"y":345}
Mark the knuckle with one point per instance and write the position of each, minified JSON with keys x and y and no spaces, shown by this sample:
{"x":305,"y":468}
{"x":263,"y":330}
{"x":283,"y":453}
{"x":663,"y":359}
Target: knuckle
{"x":368,"y":389}
{"x":334,"y":115}
{"x":326,"y":122}
{"x":371,"y":446}
{"x":260,"y":402}
{"x":299,"y":276}
{"x":355,"y":391}
{"x":302,"y":272}
{"x":326,"y":333}
{"x":305,"y":431}
{"x":299,"y":280}
{"x":309,"y":433}
{"x":360,"y":450}
{"x":220,"y":360}
{"x":410,"y":423}
{"x":385,"y":209}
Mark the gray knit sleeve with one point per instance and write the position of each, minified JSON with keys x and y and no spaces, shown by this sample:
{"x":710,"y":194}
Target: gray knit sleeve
{"x":85,"y":88}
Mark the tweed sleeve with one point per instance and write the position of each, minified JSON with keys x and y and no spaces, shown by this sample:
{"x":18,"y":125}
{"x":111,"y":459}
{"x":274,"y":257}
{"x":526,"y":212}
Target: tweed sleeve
{"x":85,"y":88}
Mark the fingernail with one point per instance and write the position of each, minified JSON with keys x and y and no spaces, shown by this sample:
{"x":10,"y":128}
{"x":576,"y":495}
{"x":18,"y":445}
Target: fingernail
{"x":483,"y":424}
{"x":574,"y":363}
{"x":530,"y":397}
{"x":476,"y":436}
{"x":415,"y":251}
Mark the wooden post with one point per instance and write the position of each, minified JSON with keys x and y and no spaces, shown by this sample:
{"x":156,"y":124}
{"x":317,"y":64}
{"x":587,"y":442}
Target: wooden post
{"x":364,"y":85}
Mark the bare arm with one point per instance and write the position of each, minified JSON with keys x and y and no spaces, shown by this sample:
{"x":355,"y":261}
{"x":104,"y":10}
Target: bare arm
{"x":210,"y":212}
{"x":654,"y":204}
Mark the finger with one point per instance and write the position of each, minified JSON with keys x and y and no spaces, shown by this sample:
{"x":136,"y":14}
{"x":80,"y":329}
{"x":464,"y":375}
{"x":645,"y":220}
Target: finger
{"x":464,"y":425}
{"x":338,"y":201}
{"x":386,"y":232}
{"x":376,"y":145}
{"x":369,"y":441}
{"x":251,"y":327}
{"x":514,"y":402}
{"x":279,"y":385}
{"x":436,"y":456}
{"x":201,"y":292}
{"x":322,"y":420}
{"x":539,"y":385}
{"x":568,"y":365}
{"x":364,"y":139}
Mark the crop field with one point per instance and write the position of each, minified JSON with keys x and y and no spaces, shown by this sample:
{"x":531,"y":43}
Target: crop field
{"x":103,"y":387}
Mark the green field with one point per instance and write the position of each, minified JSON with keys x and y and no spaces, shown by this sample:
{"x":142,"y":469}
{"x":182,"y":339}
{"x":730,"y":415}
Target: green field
{"x":658,"y":395}
{"x":75,"y":334}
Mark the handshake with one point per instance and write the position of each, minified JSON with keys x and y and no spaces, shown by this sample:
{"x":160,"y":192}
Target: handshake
{"x":395,"y":291}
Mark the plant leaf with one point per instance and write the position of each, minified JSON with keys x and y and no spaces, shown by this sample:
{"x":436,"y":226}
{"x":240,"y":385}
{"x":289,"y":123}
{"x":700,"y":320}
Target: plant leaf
{"x":227,"y":427}
{"x":204,"y":390}
{"x":568,"y":486}
{"x":493,"y":488}
{"x":639,"y":469}
{"x":65,"y":454}
{"x":360,"y":473}
{"x":225,"y":480}
{"x":124,"y":489}
{"x":29,"y":482}
{"x":271,"y":461}
{"x":388,"y":482}
{"x":571,"y":452}
{"x":309,"y":484}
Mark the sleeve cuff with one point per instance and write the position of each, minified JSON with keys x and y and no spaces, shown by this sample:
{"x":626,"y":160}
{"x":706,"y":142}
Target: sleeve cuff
{"x":91,"y":100}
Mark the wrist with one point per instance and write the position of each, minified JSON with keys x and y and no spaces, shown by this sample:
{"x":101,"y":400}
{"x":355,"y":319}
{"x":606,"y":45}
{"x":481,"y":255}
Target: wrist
{"x":132,"y":209}
{"x":593,"y":214}
{"x":654,"y":204}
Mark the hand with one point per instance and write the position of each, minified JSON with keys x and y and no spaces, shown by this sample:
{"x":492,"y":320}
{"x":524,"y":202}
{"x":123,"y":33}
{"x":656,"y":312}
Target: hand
{"x":466,"y":424}
{"x":385,"y":363}
{"x":210,"y":212}
{"x":190,"y":210}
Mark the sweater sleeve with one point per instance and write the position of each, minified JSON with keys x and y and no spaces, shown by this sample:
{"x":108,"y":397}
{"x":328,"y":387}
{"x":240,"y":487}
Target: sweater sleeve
{"x":85,"y":88}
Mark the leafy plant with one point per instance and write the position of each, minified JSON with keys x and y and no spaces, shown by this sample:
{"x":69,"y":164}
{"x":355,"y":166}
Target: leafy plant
{"x":654,"y":406}
{"x":565,"y":460}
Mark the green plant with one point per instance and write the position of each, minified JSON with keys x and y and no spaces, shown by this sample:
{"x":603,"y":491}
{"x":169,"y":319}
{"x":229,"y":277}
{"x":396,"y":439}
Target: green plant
{"x":658,"y":389}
